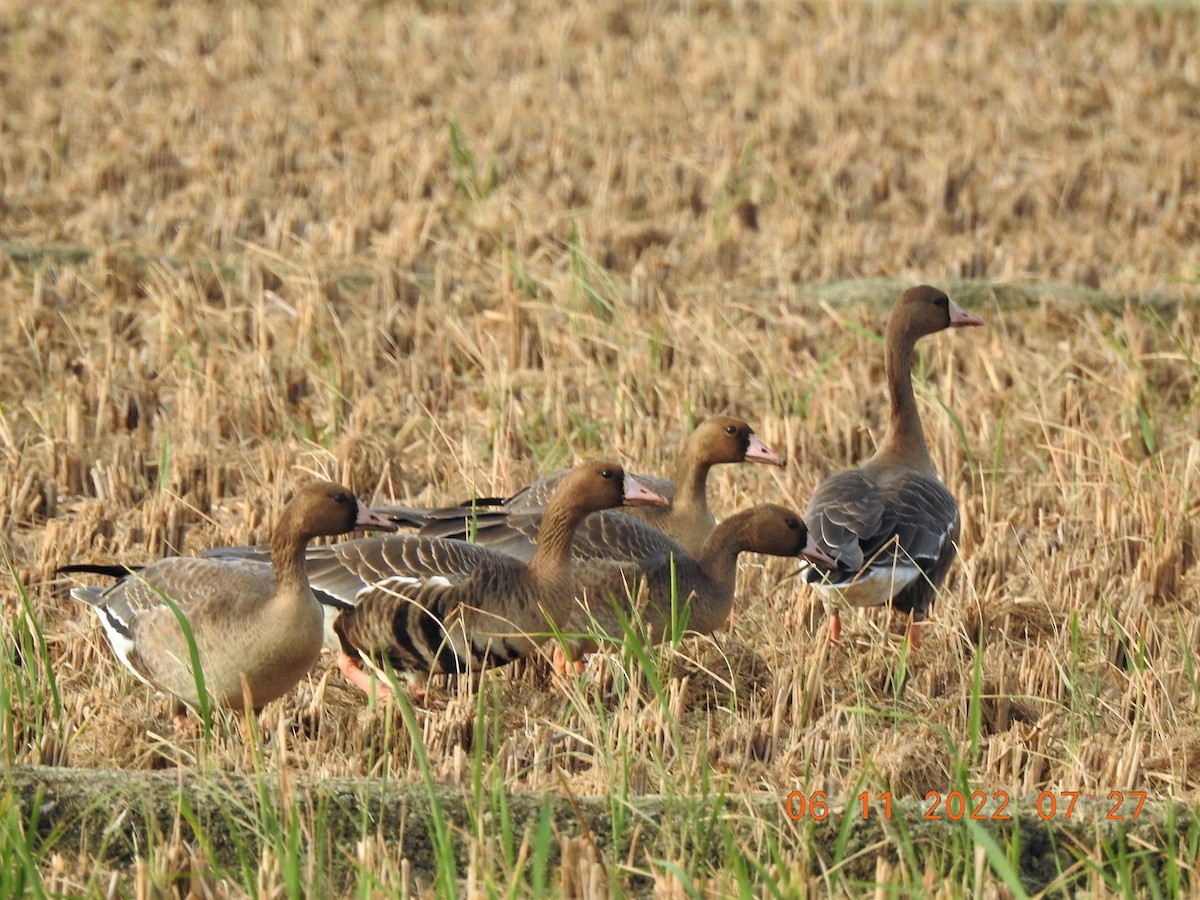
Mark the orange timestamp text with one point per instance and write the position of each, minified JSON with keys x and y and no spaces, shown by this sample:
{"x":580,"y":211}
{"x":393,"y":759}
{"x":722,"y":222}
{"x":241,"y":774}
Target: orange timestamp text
{"x":976,"y":805}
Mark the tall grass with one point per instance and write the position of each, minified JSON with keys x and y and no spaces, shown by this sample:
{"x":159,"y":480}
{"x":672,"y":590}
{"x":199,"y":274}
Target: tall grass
{"x":33,"y":723}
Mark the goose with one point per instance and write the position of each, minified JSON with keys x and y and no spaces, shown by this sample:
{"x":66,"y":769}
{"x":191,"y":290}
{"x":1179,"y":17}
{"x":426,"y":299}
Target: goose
{"x":426,"y":605}
{"x":658,"y":569}
{"x":510,"y":525}
{"x":251,"y":621}
{"x":891,"y":525}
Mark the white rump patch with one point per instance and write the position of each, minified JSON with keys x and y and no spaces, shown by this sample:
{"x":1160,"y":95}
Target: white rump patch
{"x":874,"y":587}
{"x":330,"y":641}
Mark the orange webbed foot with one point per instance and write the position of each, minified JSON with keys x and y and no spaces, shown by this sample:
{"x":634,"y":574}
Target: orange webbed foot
{"x":561,"y":662}
{"x":418,"y":695}
{"x":361,"y":679}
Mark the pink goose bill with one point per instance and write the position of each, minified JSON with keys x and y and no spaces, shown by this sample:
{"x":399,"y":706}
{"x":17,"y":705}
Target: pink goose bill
{"x":637,"y":494}
{"x":368,"y":518}
{"x":759,"y":452}
{"x":960,"y":318}
{"x":812,"y":550}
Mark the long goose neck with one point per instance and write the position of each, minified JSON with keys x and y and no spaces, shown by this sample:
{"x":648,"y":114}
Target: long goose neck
{"x":287,"y":558}
{"x":691,"y":479}
{"x":718,"y":559}
{"x":904,"y":440}
{"x":552,"y":556}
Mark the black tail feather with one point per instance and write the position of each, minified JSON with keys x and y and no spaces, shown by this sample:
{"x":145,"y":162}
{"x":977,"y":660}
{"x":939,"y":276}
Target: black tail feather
{"x":484,"y":501}
{"x":111,"y":571}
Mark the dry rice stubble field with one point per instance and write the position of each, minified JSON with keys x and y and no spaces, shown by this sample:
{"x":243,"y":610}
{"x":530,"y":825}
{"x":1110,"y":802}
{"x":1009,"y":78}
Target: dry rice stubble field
{"x":247,"y":244}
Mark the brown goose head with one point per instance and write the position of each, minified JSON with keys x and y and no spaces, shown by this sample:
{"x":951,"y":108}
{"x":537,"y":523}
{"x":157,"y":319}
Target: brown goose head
{"x":594,"y":486}
{"x":919,"y":311}
{"x":778,"y":531}
{"x":722,"y":439}
{"x":323,"y":508}
{"x":925,"y":310}
{"x":319,"y":509}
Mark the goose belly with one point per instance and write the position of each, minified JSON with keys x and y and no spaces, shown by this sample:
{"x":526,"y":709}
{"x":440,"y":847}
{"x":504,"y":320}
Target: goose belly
{"x":875,"y":586}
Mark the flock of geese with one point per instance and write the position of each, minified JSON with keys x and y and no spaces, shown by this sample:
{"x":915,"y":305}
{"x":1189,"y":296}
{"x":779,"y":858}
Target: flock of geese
{"x":579,"y":554}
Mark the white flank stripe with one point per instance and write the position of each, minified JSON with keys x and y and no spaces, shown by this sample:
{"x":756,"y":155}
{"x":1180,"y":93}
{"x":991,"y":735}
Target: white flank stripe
{"x":121,"y":644}
{"x":874,"y":587}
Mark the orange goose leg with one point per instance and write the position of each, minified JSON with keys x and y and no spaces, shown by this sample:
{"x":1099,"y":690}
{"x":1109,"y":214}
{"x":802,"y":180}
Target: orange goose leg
{"x":561,"y":661}
{"x":359,"y":678}
{"x":418,"y":695}
{"x":914,"y":635}
{"x":835,"y":627}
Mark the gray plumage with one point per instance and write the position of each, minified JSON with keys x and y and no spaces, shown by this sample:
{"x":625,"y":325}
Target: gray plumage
{"x":511,"y":525}
{"x":892,"y":532}
{"x":662,"y":580}
{"x":891,"y":525}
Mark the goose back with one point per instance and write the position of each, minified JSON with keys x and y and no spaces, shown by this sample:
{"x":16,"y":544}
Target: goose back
{"x":511,"y":525}
{"x":427,"y":605}
{"x":434,"y":606}
{"x":661,"y":581}
{"x":892,"y":533}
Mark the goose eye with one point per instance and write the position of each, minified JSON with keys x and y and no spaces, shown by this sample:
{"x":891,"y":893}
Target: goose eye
{"x":340,"y":497}
{"x":606,"y":473}
{"x":943,"y":302}
{"x":793,"y":524}
{"x":731,"y":429}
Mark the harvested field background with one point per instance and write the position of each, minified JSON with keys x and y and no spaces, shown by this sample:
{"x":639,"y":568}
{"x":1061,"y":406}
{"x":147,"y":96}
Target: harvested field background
{"x":430,"y":250}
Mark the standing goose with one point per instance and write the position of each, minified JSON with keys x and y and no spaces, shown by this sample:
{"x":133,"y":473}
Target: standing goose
{"x":659,"y":569}
{"x":511,"y":525}
{"x":426,"y":605}
{"x":890,"y":524}
{"x":249,"y":619}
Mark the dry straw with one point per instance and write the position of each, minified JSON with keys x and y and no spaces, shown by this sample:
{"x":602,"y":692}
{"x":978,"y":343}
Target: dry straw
{"x":429,"y":249}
